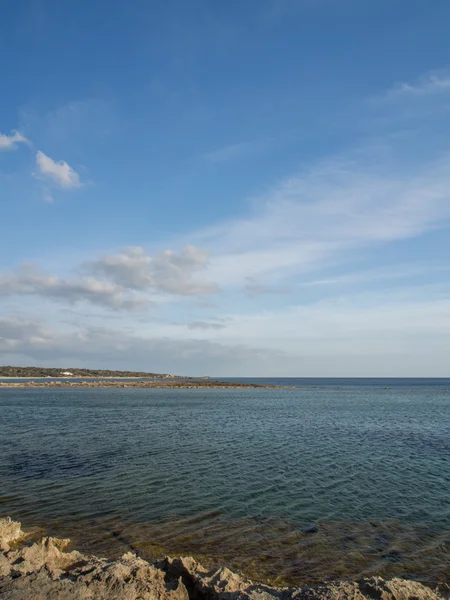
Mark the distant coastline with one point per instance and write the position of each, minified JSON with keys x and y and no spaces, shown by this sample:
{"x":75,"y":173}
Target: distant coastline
{"x":12,"y":372}
{"x":150,"y":384}
{"x":101,"y":378}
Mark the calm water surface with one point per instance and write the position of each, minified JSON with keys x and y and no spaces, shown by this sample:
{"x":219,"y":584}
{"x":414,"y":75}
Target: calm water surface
{"x":329,"y":479}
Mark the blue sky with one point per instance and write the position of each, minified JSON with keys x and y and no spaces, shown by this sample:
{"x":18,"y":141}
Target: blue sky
{"x":226,"y":188}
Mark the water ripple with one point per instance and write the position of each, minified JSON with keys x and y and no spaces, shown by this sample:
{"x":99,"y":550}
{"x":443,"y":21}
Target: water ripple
{"x":303,"y":484}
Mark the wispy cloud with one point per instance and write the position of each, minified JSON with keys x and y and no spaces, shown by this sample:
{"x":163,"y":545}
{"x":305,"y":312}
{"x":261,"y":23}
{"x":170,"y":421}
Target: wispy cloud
{"x":205,"y":325}
{"x":254,"y":287}
{"x":59,"y":172}
{"x":362,"y":323}
{"x":395,"y":272}
{"x":77,"y":121}
{"x":46,"y":195}
{"x":325,"y":215}
{"x":233,"y":152}
{"x":10,"y":142}
{"x":429,"y":85}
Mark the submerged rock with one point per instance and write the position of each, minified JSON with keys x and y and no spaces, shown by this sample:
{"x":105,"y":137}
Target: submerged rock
{"x":44,"y":570}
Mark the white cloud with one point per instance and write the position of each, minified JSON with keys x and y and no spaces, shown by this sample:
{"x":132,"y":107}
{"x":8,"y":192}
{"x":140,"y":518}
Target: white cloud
{"x":113,"y":281}
{"x":9,"y":142}
{"x":59,"y":172}
{"x":166,"y":271}
{"x":28,"y":281}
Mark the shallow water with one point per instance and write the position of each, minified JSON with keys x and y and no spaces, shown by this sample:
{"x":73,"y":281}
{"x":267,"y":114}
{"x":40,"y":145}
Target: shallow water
{"x":329,"y":479}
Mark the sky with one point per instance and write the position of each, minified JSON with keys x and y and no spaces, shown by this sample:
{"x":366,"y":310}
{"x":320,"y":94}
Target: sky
{"x":240,"y":188}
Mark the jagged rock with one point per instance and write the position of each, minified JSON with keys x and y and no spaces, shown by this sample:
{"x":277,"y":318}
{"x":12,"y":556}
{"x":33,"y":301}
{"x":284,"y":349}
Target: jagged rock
{"x":44,"y":571}
{"x":374,"y":588}
{"x":49,"y":551}
{"x":219,"y":582}
{"x":10,"y":531}
{"x":5,"y":566}
{"x":223,"y":584}
{"x":128,"y":578}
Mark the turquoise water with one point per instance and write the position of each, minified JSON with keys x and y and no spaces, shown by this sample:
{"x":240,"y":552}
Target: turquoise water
{"x":328,"y":479}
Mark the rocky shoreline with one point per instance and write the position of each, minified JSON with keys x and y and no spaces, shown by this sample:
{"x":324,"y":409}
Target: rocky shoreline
{"x":46,"y":570}
{"x":154,"y":383}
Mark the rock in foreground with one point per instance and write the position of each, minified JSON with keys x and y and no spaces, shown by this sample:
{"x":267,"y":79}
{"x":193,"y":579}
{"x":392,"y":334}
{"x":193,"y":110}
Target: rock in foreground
{"x":44,"y":570}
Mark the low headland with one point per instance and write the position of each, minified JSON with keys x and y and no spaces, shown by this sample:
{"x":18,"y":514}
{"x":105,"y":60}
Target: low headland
{"x":159,"y":384}
{"x":22,"y":372}
{"x":44,"y":569}
{"x":100,"y":378}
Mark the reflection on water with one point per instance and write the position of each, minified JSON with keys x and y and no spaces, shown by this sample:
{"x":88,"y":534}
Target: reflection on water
{"x":291,"y":485}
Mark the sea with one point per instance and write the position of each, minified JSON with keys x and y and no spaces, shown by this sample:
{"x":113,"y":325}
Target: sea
{"x":324,"y":479}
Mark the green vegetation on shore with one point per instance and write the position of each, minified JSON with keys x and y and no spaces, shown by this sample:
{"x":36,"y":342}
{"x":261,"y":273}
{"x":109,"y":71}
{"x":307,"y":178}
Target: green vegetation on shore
{"x":8,"y":371}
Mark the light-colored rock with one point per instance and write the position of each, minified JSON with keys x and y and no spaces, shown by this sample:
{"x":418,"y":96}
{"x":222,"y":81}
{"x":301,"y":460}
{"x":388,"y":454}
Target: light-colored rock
{"x":223,"y":584}
{"x":5,"y":566}
{"x":10,"y":531}
{"x":49,"y":551}
{"x":374,"y":588}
